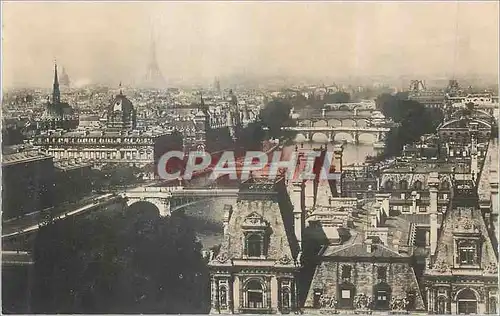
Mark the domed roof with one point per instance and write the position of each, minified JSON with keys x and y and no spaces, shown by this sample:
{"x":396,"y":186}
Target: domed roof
{"x":121,"y":104}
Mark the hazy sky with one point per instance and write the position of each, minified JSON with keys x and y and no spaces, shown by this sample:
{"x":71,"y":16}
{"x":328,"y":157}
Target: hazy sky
{"x":108,"y":42}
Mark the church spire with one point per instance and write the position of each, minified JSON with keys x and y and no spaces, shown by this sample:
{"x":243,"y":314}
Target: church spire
{"x":56,"y":94}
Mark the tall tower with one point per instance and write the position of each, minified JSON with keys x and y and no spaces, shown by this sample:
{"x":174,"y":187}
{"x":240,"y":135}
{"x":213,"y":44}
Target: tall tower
{"x":56,"y":93}
{"x":153,"y":77}
{"x":65,"y":82}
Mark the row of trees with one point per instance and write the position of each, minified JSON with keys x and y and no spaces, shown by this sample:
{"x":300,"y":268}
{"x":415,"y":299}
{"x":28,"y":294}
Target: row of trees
{"x":120,"y":262}
{"x":414,"y":120}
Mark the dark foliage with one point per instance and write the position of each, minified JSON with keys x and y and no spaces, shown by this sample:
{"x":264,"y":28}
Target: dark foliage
{"x":274,"y":116}
{"x":12,"y":136}
{"x":121,"y":262}
{"x":251,"y":137}
{"x":414,"y":121}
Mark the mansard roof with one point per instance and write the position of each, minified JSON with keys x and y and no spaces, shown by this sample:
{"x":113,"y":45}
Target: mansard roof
{"x":490,"y":162}
{"x":272,"y":215}
{"x":462,"y":220}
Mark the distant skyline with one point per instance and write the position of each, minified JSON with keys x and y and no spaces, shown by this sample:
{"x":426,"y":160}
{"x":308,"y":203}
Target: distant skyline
{"x":109,"y":42}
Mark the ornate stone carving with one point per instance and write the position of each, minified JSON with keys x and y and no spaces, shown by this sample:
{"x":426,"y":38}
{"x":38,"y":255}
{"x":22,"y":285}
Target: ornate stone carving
{"x":399,"y":304}
{"x":222,"y":257}
{"x":284,"y":260}
{"x":362,"y":303}
{"x":254,"y":220}
{"x":491,"y":268}
{"x":442,"y":266}
{"x":465,"y":224}
{"x":326,"y":301}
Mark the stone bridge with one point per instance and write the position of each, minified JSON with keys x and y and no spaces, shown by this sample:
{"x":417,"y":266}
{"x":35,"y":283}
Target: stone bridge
{"x":343,"y":120}
{"x":170,"y":199}
{"x":328,"y":134}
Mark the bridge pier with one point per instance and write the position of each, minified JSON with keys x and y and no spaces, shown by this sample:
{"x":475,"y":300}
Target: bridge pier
{"x":355,"y":136}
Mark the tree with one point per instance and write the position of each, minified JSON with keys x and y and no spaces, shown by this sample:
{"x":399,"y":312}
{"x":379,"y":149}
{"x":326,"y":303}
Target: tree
{"x":414,"y":121}
{"x":120,"y":262}
{"x":275,"y":115}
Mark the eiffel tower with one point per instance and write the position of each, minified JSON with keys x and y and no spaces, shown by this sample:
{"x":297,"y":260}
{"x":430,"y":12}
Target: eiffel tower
{"x":153,"y":78}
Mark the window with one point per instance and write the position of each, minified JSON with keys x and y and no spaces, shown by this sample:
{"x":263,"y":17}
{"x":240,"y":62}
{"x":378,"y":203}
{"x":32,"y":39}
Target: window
{"x":382,"y":295}
{"x":406,"y":208}
{"x":467,"y":252}
{"x":346,"y":293}
{"x":441,"y":305}
{"x":422,"y":209}
{"x":417,"y":185}
{"x":467,"y":302}
{"x":346,"y":272}
{"x":389,"y":185}
{"x":285,"y":298}
{"x":255,"y":295}
{"x":445,"y":185}
{"x":254,"y":245}
{"x":223,"y":296}
{"x":493,"y":305}
{"x":403,"y":185}
{"x":381,"y":273}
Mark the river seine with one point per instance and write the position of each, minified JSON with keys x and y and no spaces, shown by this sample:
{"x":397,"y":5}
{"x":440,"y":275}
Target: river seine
{"x":206,"y":218}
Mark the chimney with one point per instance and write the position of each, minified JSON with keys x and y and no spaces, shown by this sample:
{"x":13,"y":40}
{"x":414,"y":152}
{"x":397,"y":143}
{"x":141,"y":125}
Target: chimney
{"x":474,"y":168}
{"x":309,"y":194}
{"x":494,"y":192}
{"x":433,"y":183}
{"x":228,"y":211}
{"x":369,"y":245}
{"x":298,"y":214}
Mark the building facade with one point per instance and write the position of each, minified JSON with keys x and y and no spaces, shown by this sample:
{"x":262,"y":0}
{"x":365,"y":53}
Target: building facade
{"x":462,"y":276}
{"x":255,"y":270}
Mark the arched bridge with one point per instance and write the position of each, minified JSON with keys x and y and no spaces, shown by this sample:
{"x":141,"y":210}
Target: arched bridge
{"x":171,"y":199}
{"x":324,"y":134}
{"x":342,"y":120}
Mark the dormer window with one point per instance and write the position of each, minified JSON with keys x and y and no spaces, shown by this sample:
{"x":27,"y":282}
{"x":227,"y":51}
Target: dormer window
{"x":467,"y":252}
{"x":382,"y":273}
{"x":346,"y":272}
{"x":255,"y":230}
{"x":254,"y":245}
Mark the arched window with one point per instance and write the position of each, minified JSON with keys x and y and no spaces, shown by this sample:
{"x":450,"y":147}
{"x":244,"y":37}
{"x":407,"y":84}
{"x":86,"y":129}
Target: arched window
{"x":382,"y":296}
{"x":255,"y":295}
{"x":223,"y":296}
{"x":445,"y":185}
{"x":403,"y":185}
{"x":389,"y":185}
{"x":441,"y":305}
{"x":467,"y":302}
{"x":254,"y":245}
{"x":417,"y":185}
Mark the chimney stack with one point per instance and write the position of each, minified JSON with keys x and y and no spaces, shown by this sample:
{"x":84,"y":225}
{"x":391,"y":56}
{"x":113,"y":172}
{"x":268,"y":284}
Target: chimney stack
{"x":494,"y":198}
{"x":369,"y":245}
{"x":228,"y":211}
{"x":433,"y":183}
{"x":298,"y":214}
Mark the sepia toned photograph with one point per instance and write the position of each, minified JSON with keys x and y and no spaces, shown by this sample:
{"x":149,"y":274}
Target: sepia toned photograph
{"x":250,"y":157}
